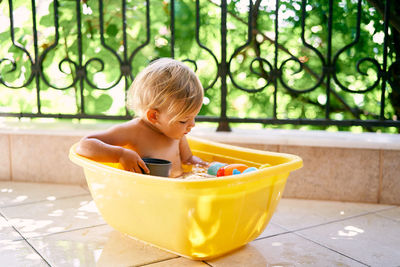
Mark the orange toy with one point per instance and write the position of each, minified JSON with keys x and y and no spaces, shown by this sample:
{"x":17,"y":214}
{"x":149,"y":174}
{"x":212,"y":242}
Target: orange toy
{"x":228,"y":169}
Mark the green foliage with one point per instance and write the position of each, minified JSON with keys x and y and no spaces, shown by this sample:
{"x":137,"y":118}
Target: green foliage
{"x":105,"y":87}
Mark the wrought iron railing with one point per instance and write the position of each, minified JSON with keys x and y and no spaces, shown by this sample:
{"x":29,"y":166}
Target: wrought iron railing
{"x":271,"y":69}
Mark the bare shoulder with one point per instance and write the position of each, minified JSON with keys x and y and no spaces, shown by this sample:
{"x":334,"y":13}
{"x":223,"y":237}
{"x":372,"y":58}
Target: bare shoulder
{"x":120,"y":134}
{"x":127,"y":129}
{"x":133,"y":124}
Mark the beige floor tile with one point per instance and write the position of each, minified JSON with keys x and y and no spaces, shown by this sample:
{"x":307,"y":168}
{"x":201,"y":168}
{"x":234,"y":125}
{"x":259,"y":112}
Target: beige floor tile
{"x":96,"y":246}
{"x":283,"y":250}
{"x":272,"y":229}
{"x":19,"y":254}
{"x":334,"y":174}
{"x":48,"y":217}
{"x":7,"y":232}
{"x":371,"y":239}
{"x":63,"y":230}
{"x":393,"y":214}
{"x":44,"y":159}
{"x":181,"y":262}
{"x":16,"y":193}
{"x":295,"y":214}
{"x":5,"y":166}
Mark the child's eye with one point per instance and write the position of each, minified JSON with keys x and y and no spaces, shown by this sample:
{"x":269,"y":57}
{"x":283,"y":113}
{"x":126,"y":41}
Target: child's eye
{"x":183,"y":122}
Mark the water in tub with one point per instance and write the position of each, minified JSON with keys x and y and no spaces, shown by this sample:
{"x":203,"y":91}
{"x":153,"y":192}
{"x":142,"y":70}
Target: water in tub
{"x":214,"y":169}
{"x":195,"y":172}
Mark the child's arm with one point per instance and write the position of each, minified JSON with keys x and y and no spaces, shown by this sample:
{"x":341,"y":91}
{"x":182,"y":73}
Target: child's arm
{"x":187,"y":156}
{"x":107,"y":146}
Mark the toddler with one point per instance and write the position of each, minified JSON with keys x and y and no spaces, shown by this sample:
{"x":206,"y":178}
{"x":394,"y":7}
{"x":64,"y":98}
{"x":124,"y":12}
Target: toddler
{"x":166,"y":96}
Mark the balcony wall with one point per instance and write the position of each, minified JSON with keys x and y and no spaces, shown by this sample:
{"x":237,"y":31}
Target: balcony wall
{"x":337,"y":166}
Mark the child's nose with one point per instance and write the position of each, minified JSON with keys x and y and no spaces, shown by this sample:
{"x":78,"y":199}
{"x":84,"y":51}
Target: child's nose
{"x":192,"y":124}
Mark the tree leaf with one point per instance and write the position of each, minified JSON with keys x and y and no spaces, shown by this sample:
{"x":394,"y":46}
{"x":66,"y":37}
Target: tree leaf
{"x":112,"y":30}
{"x":102,"y":103}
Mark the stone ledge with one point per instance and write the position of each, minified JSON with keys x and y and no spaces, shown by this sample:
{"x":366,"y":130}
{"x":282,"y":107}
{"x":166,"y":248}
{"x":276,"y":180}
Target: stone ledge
{"x":249,"y":136}
{"x":337,"y":166}
{"x":304,"y":138}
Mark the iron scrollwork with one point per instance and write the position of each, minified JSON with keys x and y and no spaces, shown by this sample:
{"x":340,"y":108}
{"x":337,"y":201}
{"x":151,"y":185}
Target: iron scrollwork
{"x":359,"y":62}
{"x":80,"y":70}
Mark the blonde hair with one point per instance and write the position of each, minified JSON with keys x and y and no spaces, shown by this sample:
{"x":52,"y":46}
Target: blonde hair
{"x":166,"y":85}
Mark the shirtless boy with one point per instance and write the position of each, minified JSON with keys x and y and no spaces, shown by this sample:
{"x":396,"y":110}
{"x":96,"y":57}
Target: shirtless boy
{"x":166,"y":96}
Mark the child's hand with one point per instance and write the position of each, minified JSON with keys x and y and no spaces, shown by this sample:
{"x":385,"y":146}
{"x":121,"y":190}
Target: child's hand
{"x":131,"y":161}
{"x":197,"y":161}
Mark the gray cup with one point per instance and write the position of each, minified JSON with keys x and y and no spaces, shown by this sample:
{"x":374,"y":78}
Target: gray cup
{"x":158,"y":167}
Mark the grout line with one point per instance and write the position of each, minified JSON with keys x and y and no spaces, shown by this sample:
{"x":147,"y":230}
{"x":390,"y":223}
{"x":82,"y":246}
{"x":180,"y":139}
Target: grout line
{"x":333,"y":250}
{"x":10,"y":156}
{"x":205,"y":262}
{"x":304,"y":237}
{"x":287,"y":231}
{"x":380,"y":175}
{"x":297,"y":231}
{"x":49,"y":234}
{"x":66,"y":231}
{"x":24,"y":239}
{"x":157,"y":261}
{"x":12,"y":226}
{"x":385,"y":216}
{"x":34,"y":249}
{"x":325,"y":223}
{"x":43,"y":200}
{"x":40,"y":255}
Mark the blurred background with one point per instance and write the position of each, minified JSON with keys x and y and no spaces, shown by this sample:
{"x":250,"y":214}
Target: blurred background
{"x":289,"y":64}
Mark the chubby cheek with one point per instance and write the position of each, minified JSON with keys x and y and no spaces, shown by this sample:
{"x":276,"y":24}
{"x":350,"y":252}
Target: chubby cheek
{"x":184,"y":130}
{"x":178,"y":130}
{"x":181,"y":129}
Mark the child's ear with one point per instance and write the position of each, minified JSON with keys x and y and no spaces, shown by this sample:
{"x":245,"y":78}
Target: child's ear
{"x":152,"y":115}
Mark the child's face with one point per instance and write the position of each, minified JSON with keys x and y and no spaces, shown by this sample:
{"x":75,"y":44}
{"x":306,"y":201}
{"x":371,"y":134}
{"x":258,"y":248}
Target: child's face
{"x":178,"y":128}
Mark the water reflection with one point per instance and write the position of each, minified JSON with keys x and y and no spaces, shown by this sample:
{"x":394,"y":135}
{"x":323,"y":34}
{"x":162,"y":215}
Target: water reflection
{"x":44,"y":218}
{"x":120,"y":250}
{"x":348,"y":232}
{"x":18,"y":253}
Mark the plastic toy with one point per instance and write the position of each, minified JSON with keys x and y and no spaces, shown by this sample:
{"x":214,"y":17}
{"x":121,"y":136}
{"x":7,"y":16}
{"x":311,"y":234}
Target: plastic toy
{"x":251,"y":169}
{"x":222,"y":169}
{"x":214,"y":167}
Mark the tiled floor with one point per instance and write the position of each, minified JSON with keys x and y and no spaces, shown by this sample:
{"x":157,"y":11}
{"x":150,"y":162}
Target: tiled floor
{"x":58,"y":225}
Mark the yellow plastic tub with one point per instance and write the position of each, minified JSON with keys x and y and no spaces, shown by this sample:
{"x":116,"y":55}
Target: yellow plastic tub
{"x":199,"y":218}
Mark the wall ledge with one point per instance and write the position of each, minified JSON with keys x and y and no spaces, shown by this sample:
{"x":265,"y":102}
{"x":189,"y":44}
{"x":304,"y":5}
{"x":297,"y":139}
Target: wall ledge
{"x":248,"y":136}
{"x":303,"y":138}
